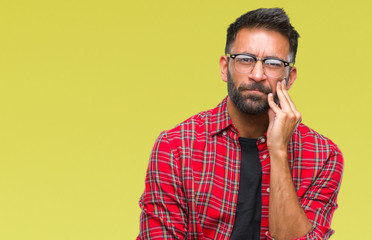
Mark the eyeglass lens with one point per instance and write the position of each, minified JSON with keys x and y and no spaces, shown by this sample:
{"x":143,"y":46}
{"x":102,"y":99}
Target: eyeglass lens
{"x":272,"y":67}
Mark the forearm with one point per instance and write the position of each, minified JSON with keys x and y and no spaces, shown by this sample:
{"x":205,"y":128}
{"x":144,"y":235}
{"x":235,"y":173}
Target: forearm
{"x":287,"y":220}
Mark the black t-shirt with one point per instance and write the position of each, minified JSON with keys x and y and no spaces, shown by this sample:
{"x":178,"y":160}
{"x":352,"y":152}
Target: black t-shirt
{"x":247,"y":223}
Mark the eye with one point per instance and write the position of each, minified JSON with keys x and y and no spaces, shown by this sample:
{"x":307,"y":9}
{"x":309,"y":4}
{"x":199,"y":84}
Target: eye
{"x":273,"y":63}
{"x":247,"y":60}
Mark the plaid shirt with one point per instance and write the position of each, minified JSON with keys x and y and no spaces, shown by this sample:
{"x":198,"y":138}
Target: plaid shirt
{"x":192,"y":181}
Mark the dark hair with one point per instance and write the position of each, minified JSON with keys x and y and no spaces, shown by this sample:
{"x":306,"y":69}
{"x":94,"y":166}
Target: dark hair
{"x":268,"y":18}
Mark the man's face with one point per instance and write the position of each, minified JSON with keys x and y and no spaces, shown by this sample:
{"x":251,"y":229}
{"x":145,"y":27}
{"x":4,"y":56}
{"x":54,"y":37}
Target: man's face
{"x":252,"y":104}
{"x":249,"y":91}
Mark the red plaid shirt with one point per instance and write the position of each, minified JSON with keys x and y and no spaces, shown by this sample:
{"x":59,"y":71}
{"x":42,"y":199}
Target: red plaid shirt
{"x":192,"y":181}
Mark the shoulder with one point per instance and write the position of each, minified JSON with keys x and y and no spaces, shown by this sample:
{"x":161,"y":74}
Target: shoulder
{"x":309,"y":135}
{"x":201,"y":125}
{"x":312,"y":143}
{"x":184,"y":138}
{"x":188,"y":129}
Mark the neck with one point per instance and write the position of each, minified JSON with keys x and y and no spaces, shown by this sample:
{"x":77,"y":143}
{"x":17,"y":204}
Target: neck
{"x":249,"y":126}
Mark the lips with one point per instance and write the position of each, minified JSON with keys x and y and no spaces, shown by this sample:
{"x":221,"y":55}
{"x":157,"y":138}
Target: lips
{"x":256,"y":88}
{"x":255,"y":91}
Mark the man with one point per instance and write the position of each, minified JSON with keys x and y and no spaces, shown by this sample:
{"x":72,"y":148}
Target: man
{"x":247,"y":169}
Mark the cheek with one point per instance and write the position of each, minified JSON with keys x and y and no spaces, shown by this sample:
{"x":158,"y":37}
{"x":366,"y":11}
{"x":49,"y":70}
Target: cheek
{"x":273,"y":85}
{"x":237,"y":78}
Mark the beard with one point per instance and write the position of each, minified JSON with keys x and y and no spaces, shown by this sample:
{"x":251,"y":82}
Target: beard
{"x":250,"y":104}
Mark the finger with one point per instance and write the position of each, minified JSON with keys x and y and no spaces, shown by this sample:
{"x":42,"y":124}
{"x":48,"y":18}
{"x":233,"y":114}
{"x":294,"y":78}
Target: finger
{"x":282,"y":98}
{"x":272,"y":104}
{"x":291,"y":104}
{"x":286,"y":94}
{"x":272,"y":115}
{"x":271,"y":119}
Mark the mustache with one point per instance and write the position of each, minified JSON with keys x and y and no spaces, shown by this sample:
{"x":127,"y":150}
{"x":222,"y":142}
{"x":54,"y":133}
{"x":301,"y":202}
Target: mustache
{"x":255,"y":86}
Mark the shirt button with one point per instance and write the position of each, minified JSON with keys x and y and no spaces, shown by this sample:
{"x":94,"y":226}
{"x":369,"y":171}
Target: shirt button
{"x":268,"y":189}
{"x":262,"y":140}
{"x":264,"y":156}
{"x":224,"y":133}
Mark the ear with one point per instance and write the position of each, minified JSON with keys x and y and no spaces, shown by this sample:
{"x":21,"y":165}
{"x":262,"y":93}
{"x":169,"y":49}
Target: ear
{"x":224,"y":64}
{"x":291,"y":77}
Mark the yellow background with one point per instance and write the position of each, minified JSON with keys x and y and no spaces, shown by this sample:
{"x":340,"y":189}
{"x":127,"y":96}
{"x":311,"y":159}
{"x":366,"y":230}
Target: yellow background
{"x":87,"y":86}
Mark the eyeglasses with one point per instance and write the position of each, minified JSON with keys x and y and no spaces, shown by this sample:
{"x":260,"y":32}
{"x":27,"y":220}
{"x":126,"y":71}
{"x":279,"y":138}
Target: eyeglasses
{"x":273,"y":67}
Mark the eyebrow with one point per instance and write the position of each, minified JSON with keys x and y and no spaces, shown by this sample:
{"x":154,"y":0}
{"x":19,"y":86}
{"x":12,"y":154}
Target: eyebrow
{"x":273,"y":57}
{"x":270,"y":56}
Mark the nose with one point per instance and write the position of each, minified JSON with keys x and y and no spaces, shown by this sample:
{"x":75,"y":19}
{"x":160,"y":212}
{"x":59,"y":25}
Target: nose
{"x":258,"y":73}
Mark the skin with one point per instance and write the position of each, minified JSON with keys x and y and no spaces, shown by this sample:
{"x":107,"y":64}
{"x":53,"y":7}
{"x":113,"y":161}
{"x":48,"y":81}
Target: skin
{"x":287,"y":220}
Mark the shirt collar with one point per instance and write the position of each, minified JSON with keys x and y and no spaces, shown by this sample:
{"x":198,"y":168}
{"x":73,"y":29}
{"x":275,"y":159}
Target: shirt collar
{"x":219,"y":118}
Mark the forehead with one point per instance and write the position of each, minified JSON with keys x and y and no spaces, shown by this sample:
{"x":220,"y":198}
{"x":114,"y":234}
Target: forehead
{"x":261,"y":42}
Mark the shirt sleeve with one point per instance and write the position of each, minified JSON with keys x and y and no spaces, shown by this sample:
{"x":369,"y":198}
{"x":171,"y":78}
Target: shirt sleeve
{"x":163,"y":202}
{"x":320,"y":200}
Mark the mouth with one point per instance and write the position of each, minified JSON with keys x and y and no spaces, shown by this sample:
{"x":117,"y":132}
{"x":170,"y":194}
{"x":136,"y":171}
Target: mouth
{"x":254,"y":91}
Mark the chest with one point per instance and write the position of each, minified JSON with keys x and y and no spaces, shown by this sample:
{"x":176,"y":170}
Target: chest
{"x":210,"y":169}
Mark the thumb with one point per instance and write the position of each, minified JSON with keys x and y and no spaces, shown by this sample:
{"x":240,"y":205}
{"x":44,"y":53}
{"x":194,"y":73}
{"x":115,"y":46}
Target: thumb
{"x":272,"y":109}
{"x":271,"y":114}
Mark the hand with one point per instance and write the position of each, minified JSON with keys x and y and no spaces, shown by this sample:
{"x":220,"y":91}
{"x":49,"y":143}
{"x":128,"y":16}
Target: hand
{"x":283,"y":120}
